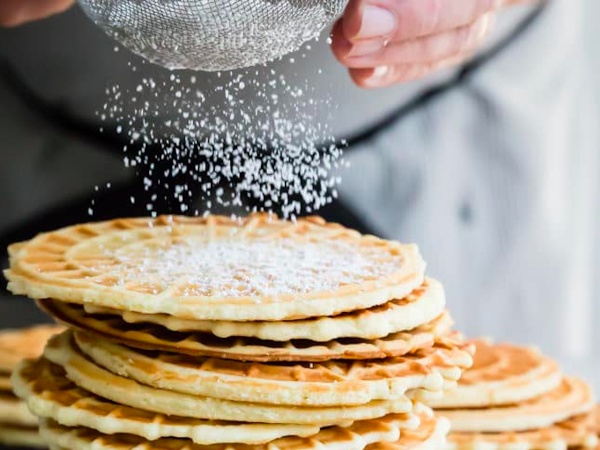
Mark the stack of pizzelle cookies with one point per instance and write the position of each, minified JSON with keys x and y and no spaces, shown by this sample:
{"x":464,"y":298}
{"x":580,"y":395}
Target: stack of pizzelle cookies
{"x":213,"y":333}
{"x":516,"y":398}
{"x":18,"y":427}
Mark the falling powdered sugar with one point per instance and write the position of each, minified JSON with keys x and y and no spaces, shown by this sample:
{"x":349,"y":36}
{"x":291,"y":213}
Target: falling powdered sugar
{"x":250,"y":143}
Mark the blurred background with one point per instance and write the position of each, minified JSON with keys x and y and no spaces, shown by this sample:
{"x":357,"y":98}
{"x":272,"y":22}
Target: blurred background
{"x":491,"y":167}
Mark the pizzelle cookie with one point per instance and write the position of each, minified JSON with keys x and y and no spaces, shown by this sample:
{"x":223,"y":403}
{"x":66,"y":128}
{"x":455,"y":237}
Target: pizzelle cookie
{"x":596,"y":424}
{"x":362,"y":435}
{"x":502,"y":374}
{"x":155,"y":337}
{"x":62,"y":351}
{"x":50,"y":394}
{"x":571,"y":398}
{"x":21,"y":436}
{"x":23,"y":343}
{"x":314,"y":384}
{"x":215,"y":268}
{"x":431,"y":435}
{"x":573,"y":433}
{"x":18,"y":427}
{"x":543,"y":414}
{"x":420,"y":307}
{"x":5,"y":384}
{"x":14,"y":412}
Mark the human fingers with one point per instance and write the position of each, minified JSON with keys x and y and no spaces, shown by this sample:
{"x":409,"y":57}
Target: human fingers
{"x":441,"y":46}
{"x":402,"y":20}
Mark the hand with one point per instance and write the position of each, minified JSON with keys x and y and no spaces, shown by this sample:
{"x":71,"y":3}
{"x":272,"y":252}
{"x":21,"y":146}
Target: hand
{"x":384,"y":42}
{"x":18,"y":12}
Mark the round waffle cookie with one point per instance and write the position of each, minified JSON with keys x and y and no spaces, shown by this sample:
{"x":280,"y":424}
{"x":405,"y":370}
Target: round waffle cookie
{"x":50,"y":394}
{"x":573,"y":433}
{"x":420,"y":307}
{"x":63,"y":352}
{"x":572,"y":397}
{"x":361,"y":435}
{"x":215,"y":268}
{"x":431,"y":435}
{"x":305,"y":384}
{"x":502,"y":374}
{"x":5,"y":383}
{"x":18,"y":427}
{"x":15,"y":412}
{"x":155,"y":337}
{"x":21,"y":436}
{"x":596,"y":424}
{"x":19,"y":344}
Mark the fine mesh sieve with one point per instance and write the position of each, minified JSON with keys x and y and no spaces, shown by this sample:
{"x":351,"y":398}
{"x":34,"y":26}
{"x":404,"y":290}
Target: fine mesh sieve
{"x":212,"y":35}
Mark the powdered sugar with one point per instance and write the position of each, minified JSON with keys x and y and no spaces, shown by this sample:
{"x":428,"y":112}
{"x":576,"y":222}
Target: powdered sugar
{"x":251,"y":142}
{"x":247,"y":268}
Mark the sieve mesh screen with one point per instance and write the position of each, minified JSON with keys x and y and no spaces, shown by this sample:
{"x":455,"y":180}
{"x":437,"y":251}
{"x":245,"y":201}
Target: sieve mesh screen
{"x":212,"y":35}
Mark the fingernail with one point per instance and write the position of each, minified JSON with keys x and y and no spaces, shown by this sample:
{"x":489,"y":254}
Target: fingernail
{"x":366,"y":48}
{"x":376,"y":21}
{"x":377,"y":77}
{"x":380,"y":72}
